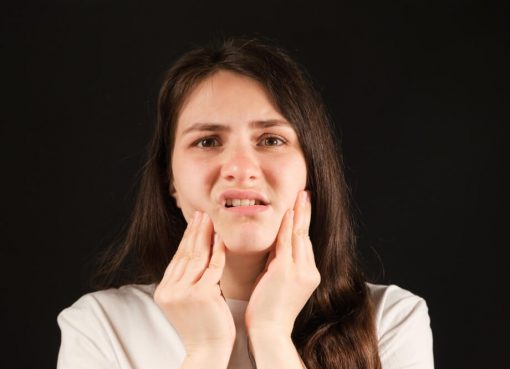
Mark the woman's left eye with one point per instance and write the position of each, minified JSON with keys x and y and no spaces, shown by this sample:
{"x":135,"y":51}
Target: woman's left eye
{"x":273,"y":141}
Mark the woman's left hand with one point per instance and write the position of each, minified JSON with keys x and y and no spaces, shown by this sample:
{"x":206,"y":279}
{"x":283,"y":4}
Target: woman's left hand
{"x":289,"y":277}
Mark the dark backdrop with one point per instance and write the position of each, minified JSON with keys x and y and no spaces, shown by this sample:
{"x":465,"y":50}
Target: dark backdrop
{"x":416,"y":89}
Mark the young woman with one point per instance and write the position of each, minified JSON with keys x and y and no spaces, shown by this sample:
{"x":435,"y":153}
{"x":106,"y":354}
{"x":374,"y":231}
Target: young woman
{"x":240,"y":250}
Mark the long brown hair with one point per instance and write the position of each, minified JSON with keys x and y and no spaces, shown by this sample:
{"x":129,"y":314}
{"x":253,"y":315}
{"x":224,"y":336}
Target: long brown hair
{"x":336,"y":327}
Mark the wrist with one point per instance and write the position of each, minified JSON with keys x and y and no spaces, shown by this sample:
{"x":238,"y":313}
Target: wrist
{"x":270,"y":332}
{"x":265,"y":336}
{"x":208,"y":356}
{"x":216,"y":349}
{"x":274,"y":350}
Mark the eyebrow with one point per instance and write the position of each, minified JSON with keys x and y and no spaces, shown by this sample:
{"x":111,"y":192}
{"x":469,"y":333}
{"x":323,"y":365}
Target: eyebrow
{"x":216,"y":127}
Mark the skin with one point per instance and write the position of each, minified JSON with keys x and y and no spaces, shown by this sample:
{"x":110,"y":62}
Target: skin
{"x":265,"y":258}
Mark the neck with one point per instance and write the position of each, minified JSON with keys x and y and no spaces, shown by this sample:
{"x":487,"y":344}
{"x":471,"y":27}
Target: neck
{"x":240,"y":274}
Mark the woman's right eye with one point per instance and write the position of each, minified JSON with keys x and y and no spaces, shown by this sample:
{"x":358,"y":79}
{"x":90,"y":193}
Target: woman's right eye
{"x":207,"y":142}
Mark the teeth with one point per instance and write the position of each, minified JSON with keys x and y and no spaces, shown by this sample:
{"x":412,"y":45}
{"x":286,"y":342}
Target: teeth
{"x":242,"y":202}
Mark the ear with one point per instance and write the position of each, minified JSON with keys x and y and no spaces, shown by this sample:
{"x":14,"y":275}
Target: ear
{"x":173,"y":193}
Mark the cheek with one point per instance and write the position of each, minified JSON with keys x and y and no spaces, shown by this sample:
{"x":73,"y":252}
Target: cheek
{"x":290,"y":163}
{"x":192,"y":182}
{"x":288,"y":177}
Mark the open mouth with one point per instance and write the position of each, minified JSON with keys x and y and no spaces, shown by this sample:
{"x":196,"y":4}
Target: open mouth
{"x":232,"y":203}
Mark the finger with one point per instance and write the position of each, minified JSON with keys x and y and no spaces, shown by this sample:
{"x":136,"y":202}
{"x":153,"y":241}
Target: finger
{"x":187,"y":248}
{"x":284,"y":238}
{"x":204,"y":239}
{"x":300,"y":236}
{"x":308,"y":246}
{"x":270,"y":258}
{"x":214,"y":270}
{"x":310,"y":257}
{"x":176,"y":265}
{"x":185,"y":251}
{"x":177,"y":270}
{"x":303,"y":211}
{"x":201,"y":251}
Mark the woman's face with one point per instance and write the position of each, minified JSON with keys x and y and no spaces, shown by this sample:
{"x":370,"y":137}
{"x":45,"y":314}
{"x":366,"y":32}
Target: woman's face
{"x":232,"y":144}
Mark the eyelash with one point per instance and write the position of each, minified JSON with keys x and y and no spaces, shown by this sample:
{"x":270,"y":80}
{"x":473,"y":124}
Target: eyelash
{"x":200,"y":140}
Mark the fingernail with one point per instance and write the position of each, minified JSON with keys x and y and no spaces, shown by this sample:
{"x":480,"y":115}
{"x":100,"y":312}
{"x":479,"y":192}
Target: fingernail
{"x":290,"y":213}
{"x":196,"y":216}
{"x":216,"y":237}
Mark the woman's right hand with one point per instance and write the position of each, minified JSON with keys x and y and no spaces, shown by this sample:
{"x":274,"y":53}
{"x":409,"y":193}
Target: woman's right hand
{"x":189,"y":293}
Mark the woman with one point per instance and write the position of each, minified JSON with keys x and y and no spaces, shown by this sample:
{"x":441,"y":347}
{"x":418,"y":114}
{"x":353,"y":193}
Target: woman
{"x":240,"y":251}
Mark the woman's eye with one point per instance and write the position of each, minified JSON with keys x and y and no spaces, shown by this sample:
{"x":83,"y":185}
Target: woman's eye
{"x":207,"y":142}
{"x":273,"y":141}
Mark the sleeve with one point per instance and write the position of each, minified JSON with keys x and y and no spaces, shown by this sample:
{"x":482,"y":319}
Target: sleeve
{"x":84,"y":343}
{"x":405,"y":336}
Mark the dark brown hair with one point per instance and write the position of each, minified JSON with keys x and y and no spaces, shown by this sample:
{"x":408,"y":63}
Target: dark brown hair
{"x":336,"y":327}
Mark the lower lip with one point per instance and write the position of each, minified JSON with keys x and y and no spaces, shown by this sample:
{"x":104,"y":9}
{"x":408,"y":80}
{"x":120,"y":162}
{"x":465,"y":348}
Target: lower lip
{"x":247,"y":210}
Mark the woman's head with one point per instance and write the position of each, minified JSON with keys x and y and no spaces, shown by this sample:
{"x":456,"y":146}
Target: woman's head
{"x":243,"y":95}
{"x":232,"y":145}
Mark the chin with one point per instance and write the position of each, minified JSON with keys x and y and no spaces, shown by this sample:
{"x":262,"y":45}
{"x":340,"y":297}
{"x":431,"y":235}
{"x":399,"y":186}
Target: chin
{"x":248,"y":244}
{"x":247,"y":237}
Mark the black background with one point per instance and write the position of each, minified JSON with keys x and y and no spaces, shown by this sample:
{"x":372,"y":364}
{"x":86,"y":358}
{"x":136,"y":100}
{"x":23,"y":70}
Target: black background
{"x":416,"y":89}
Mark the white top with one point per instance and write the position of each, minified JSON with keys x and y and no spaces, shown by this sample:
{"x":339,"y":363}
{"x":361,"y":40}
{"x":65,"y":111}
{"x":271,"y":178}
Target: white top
{"x":124,"y":329}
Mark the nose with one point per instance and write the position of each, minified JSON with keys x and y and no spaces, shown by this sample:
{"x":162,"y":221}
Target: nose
{"x":240,"y":165}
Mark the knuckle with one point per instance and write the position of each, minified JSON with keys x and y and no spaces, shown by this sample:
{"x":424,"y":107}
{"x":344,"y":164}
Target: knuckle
{"x":301,"y":233}
{"x":214,"y":265}
{"x":310,"y":277}
{"x":286,"y":272}
{"x":177,"y":256}
{"x":180,"y":295}
{"x":162,"y":298}
{"x":197,"y":261}
{"x":185,"y":256}
{"x":284,"y":239}
{"x":173,"y":294}
{"x":317,"y":277}
{"x":157,"y":297}
{"x":196,"y":256}
{"x":314,"y":279}
{"x":198,"y":295}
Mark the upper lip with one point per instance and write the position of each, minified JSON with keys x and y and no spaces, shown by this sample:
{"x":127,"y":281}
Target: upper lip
{"x":242,"y":194}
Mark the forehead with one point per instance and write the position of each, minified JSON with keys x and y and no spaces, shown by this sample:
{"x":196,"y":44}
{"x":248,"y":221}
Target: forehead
{"x":227,"y":98}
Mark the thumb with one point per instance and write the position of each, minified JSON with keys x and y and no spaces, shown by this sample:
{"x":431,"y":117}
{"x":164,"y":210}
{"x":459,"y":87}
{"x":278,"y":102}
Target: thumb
{"x":270,"y":257}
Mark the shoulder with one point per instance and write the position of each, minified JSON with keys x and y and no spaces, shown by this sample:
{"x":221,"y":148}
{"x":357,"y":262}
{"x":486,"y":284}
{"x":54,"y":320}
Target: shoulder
{"x":112,"y":304}
{"x":132,"y":293}
{"x":403,"y":327}
{"x":113,"y":301}
{"x":110,"y":328}
{"x":393,"y":303}
{"x":138,"y":293}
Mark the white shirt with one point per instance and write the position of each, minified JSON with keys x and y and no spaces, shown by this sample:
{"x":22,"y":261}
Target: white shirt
{"x":124,"y":329}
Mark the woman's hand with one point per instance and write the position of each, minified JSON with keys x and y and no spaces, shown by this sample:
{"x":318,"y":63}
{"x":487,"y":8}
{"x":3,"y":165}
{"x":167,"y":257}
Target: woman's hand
{"x":289,"y":278}
{"x":189,"y":294}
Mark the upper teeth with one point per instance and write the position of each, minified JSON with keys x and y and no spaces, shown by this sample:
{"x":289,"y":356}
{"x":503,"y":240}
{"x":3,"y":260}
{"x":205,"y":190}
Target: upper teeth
{"x":242,"y":202}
